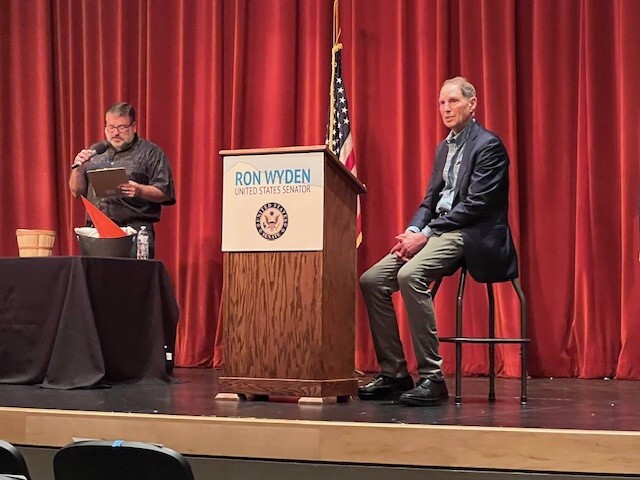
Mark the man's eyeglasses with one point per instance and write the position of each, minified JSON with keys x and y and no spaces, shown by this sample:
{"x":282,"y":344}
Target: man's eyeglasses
{"x":120,"y":128}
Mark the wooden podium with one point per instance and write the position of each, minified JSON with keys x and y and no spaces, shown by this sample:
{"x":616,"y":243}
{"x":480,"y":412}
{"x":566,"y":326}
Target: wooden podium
{"x":288,"y":316}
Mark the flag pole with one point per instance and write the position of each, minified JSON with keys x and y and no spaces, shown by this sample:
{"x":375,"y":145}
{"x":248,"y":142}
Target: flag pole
{"x":339,"y":138}
{"x":336,"y":22}
{"x":336,"y":46}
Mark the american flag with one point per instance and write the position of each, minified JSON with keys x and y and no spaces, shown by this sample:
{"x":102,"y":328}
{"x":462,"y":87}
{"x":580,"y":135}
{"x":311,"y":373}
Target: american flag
{"x":339,"y":138}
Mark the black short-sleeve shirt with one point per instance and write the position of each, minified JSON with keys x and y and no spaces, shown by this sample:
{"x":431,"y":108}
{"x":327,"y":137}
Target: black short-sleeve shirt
{"x":145,"y":163}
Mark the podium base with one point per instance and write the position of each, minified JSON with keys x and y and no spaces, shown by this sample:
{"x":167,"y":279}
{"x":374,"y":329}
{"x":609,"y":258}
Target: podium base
{"x":324,"y":400}
{"x":228,"y":396}
{"x":342,"y":387}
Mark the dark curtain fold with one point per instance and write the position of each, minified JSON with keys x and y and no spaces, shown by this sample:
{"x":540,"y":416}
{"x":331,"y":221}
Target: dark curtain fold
{"x":556,"y":80}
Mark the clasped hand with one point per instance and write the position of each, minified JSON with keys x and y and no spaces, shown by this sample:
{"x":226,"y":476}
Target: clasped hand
{"x":408,"y":244}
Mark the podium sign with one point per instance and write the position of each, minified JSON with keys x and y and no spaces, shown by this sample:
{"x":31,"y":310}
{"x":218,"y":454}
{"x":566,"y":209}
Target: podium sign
{"x":273,"y":202}
{"x":289,"y":275}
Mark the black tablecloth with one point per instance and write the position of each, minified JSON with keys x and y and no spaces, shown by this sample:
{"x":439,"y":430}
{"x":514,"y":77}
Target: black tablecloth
{"x":71,"y":322}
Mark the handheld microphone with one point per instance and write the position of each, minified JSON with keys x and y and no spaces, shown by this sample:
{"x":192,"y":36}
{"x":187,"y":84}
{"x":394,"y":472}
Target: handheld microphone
{"x":98,"y":148}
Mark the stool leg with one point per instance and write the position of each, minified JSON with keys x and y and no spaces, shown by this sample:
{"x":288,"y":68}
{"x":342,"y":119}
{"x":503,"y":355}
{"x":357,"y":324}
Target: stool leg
{"x":523,"y":346}
{"x":463,"y":276}
{"x":434,"y":288}
{"x":492,"y":346}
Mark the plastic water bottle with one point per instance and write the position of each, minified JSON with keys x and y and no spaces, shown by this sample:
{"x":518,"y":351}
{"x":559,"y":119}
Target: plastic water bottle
{"x":143,"y":244}
{"x":168,"y":360}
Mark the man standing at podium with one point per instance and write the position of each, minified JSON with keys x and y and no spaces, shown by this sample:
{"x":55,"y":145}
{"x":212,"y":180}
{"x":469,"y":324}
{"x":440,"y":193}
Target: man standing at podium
{"x":462,"y":218}
{"x":150,"y":180}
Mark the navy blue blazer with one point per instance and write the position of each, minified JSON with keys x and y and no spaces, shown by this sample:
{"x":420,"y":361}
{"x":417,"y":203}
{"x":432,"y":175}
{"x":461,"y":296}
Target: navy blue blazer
{"x":480,"y":206}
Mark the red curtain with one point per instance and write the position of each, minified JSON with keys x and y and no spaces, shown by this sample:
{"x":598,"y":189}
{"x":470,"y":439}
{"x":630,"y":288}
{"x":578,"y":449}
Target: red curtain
{"x":556,"y":80}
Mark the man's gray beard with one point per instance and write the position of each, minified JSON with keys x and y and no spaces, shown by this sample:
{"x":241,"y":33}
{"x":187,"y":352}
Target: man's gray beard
{"x":124,"y":146}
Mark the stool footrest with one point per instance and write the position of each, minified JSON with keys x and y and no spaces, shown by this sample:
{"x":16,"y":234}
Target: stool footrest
{"x":483,"y":340}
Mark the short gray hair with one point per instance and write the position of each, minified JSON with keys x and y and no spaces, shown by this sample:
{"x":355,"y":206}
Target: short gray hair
{"x":468,"y":90}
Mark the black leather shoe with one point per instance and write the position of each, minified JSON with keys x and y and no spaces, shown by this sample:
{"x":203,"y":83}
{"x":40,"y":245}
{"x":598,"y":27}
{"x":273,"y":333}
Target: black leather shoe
{"x":426,"y":394}
{"x":385,"y":388}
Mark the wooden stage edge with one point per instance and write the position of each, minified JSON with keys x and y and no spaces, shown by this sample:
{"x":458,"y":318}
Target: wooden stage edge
{"x":516,"y":449}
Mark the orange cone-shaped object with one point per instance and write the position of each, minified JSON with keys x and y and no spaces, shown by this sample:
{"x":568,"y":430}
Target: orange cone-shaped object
{"x":106,"y":227}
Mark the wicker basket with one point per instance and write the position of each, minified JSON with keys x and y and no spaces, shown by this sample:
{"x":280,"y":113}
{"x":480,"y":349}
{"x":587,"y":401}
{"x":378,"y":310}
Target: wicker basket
{"x":35,"y":243}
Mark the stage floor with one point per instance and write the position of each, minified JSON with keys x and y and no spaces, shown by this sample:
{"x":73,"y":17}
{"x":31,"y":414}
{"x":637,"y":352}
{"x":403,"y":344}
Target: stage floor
{"x":568,"y":425}
{"x":552,"y":403}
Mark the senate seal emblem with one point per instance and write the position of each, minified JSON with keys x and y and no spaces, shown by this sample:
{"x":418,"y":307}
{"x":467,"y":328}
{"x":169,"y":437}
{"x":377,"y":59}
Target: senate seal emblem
{"x":272,"y":221}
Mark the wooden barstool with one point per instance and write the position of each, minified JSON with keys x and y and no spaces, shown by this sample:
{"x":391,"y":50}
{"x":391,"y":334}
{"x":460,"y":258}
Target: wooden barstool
{"x":491,"y":340}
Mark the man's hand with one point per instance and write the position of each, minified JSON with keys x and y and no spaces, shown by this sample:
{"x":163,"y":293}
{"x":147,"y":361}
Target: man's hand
{"x":409,"y":243}
{"x":130,"y":189}
{"x":396,"y":248}
{"x":148,"y":192}
{"x":82,"y":157}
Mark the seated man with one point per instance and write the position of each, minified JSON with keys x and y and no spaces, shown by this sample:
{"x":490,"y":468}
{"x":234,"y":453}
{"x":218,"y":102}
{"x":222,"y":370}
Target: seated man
{"x":463,"y":217}
{"x":150,"y":180}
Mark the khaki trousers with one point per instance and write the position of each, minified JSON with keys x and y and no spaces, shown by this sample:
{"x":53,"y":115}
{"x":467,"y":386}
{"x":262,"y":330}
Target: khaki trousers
{"x":439,"y":257}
